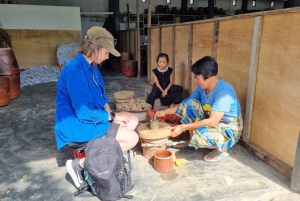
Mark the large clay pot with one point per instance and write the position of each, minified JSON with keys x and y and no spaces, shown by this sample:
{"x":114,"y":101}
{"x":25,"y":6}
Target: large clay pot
{"x":9,"y":67}
{"x":163,"y":161}
{"x":129,"y":68}
{"x":124,"y":56}
{"x":8,"y":62}
{"x":4,"y":90}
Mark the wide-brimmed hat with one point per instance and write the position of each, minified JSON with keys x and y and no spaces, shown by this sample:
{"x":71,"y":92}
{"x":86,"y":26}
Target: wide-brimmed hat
{"x":101,"y":37}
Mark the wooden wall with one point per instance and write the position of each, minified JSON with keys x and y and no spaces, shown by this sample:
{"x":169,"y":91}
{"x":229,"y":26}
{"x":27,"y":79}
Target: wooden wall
{"x":38,"y":47}
{"x":258,"y":53}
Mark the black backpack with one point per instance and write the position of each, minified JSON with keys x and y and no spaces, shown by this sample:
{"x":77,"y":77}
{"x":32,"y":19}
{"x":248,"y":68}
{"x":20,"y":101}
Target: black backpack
{"x":106,"y":175}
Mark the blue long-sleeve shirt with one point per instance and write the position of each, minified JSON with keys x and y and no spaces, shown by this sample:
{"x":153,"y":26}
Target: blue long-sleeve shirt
{"x":80,"y":115}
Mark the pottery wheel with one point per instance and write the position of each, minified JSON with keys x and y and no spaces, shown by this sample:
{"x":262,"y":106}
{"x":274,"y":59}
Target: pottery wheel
{"x":156,"y":135}
{"x":123,"y":95}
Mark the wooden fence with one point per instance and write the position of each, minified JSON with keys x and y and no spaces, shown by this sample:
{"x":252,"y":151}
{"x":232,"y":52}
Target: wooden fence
{"x":259,"y":55}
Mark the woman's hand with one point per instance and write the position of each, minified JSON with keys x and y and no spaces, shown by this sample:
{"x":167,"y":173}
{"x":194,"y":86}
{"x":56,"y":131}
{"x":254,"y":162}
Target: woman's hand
{"x":164,"y":93}
{"x":159,"y":113}
{"x":177,"y":130}
{"x":122,"y":117}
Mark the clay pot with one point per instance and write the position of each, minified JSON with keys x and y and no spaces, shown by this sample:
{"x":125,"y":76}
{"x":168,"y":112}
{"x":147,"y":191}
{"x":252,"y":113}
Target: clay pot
{"x":4,"y":90}
{"x":15,"y":85}
{"x":148,"y":152}
{"x":163,"y":161}
{"x":191,"y":11}
{"x":10,"y":68}
{"x":129,"y":68}
{"x":124,"y":56}
{"x":160,"y":9}
{"x":174,"y":10}
{"x":166,"y":9}
{"x":116,"y":67}
{"x":200,"y":11}
{"x":153,"y":125}
{"x":8,"y":62}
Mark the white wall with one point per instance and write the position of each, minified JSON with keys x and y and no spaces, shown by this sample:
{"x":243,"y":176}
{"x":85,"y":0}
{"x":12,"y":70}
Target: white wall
{"x":14,"y":16}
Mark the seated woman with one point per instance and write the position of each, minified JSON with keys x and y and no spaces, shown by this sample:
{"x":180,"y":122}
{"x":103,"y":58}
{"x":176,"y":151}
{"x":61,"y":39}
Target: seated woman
{"x":212,"y":113}
{"x":82,"y":110}
{"x":163,"y":87}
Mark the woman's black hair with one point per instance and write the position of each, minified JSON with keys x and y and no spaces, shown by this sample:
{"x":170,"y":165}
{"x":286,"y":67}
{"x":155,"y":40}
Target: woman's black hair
{"x":207,"y":66}
{"x":162,"y":55}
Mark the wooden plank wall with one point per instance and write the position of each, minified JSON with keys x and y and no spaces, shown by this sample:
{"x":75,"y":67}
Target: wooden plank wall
{"x":276,"y":119}
{"x":155,"y":49}
{"x":127,"y":42}
{"x":38,"y":47}
{"x":167,"y":43}
{"x":202,"y":44}
{"x":233,"y":56}
{"x":258,"y":51}
{"x":181,"y":67}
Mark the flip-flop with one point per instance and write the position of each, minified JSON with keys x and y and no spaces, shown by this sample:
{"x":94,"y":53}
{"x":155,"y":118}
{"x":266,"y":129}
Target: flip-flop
{"x":218,"y":156}
{"x":181,"y":145}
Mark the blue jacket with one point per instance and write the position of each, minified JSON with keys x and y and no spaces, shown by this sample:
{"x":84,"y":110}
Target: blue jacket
{"x":80,"y":98}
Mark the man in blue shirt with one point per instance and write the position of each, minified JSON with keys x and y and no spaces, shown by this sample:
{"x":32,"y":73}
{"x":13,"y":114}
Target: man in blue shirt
{"x":212,"y":113}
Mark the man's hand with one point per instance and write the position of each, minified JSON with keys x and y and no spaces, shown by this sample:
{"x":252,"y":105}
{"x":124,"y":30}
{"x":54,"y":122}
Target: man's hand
{"x":159,"y":113}
{"x":177,"y":130}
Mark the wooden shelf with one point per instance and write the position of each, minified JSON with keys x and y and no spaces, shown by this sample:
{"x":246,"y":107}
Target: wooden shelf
{"x":96,"y":13}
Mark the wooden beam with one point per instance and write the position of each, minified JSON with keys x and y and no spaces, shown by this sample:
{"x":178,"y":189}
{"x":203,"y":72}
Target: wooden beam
{"x":252,"y":77}
{"x":295,"y":182}
{"x":138,"y":45}
{"x":190,"y":56}
{"x":149,"y":39}
{"x":245,"y":5}
{"x":211,"y":8}
{"x":268,"y":158}
{"x":214,"y":49}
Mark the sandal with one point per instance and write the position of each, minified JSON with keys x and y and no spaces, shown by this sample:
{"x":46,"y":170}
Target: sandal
{"x":216,"y":156}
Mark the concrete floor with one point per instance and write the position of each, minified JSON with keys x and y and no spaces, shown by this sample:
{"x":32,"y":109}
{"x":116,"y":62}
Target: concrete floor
{"x":32,"y":168}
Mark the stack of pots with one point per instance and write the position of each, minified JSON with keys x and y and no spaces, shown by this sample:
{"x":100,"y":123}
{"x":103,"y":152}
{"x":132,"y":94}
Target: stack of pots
{"x":9,"y":68}
{"x":128,"y":66}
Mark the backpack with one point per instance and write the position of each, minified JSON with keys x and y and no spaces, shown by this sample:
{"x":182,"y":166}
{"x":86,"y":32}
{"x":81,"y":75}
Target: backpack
{"x":106,"y":175}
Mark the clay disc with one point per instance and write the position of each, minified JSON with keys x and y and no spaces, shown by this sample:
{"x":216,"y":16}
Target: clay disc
{"x":148,"y":135}
{"x":121,"y":95}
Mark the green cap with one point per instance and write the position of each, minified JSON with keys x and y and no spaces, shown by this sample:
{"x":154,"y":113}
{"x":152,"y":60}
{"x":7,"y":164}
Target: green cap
{"x":101,"y":37}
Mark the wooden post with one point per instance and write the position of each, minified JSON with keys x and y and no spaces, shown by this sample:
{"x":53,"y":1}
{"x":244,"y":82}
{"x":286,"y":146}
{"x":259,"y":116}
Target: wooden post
{"x":190,"y":56}
{"x":295,"y":182}
{"x":149,"y":39}
{"x":214,"y":50}
{"x":138,"y":48}
{"x":252,"y":77}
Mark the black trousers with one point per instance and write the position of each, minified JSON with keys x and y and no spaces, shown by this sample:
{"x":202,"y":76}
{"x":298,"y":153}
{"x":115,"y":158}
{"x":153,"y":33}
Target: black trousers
{"x":174,"y":95}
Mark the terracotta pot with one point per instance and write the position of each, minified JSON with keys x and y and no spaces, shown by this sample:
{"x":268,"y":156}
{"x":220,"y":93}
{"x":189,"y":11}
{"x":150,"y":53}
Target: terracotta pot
{"x":163,"y":161}
{"x":129,"y":68}
{"x":149,"y":151}
{"x":4,"y":90}
{"x":10,"y":68}
{"x":124,"y":56}
{"x":116,"y":67}
{"x":8,"y":62}
{"x":15,"y":85}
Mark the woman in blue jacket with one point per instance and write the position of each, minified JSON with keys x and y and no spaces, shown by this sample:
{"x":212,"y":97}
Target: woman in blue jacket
{"x":82,"y":110}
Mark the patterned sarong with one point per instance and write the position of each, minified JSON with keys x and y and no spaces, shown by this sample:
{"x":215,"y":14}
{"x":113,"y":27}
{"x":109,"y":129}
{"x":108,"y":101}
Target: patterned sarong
{"x":222,"y":137}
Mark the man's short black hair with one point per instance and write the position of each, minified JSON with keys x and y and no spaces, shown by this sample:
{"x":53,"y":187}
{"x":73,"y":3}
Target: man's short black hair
{"x":207,"y":67}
